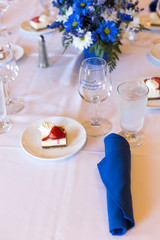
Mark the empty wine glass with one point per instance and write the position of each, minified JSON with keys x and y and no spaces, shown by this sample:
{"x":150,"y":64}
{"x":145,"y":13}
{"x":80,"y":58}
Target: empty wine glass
{"x":5,"y":124}
{"x":48,"y":8}
{"x":8,"y":72}
{"x":4,"y":4}
{"x":94,"y":86}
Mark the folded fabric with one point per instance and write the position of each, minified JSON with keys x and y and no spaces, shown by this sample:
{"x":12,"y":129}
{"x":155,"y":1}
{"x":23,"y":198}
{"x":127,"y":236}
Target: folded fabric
{"x":153,"y":5}
{"x":114,"y":170}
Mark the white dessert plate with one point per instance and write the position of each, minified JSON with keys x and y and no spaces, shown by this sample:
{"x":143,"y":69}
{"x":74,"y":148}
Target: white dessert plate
{"x":152,"y":104}
{"x":17,"y":51}
{"x":155,"y":52}
{"x":25,"y":27}
{"x":76,"y":138}
{"x":145,"y":20}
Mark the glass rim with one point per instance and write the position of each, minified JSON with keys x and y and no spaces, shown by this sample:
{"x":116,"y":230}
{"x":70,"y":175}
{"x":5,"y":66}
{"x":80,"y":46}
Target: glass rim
{"x":98,"y":58}
{"x":131,"y":82}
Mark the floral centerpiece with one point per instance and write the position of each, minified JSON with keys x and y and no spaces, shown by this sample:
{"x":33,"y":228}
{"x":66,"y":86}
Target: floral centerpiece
{"x":97,"y":25}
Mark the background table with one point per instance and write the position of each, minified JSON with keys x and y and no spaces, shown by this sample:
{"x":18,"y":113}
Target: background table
{"x":66,"y":199}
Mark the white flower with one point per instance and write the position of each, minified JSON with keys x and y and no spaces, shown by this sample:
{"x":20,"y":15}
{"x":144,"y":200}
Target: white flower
{"x":64,"y":18}
{"x":111,"y":16}
{"x":131,"y":26}
{"x":132,"y":1}
{"x":84,"y":42}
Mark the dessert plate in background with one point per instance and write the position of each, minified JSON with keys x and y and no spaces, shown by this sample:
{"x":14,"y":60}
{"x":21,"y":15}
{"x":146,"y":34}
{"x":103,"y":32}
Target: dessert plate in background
{"x":18,"y":51}
{"x":25,"y":27}
{"x":76,"y":138}
{"x":155,"y":52}
{"x":145,"y":20}
{"x":151,"y":104}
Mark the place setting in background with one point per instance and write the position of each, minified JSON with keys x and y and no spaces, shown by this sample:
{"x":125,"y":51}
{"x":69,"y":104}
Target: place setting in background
{"x":151,"y":20}
{"x":37,"y":25}
{"x":153,"y":83}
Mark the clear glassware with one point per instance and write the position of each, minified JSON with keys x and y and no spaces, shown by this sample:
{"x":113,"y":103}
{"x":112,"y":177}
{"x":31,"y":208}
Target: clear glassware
{"x":48,"y":8}
{"x":132,"y":103}
{"x":5,"y":124}
{"x":94,"y":86}
{"x":8,"y":72}
{"x":4,"y":4}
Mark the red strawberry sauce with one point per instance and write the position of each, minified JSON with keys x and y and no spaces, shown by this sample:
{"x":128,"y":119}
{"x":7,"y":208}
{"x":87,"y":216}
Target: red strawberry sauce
{"x":55,"y":133}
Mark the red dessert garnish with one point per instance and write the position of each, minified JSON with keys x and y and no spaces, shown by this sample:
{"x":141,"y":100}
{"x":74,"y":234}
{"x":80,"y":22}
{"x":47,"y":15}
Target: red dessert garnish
{"x":35,"y":19}
{"x":55,"y":133}
{"x":157,"y":79}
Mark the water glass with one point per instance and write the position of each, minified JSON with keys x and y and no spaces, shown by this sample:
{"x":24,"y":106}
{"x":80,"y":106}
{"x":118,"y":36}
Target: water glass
{"x":132,"y":103}
{"x":5,"y":125}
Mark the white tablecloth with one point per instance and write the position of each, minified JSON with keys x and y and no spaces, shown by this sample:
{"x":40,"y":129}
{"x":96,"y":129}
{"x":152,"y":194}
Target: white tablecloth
{"x":66,"y":199}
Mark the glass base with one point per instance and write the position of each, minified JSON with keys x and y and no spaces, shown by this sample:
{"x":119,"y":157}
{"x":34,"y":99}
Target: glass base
{"x":14,"y":106}
{"x":134,"y":140}
{"x":100,"y":128}
{"x":5,"y":126}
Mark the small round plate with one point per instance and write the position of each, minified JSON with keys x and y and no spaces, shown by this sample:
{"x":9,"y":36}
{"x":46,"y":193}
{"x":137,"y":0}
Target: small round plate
{"x":76,"y":138}
{"x":25,"y":27}
{"x":17,"y":51}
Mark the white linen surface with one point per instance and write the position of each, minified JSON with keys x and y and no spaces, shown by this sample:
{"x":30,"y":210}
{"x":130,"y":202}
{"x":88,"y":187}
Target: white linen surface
{"x":66,"y":199}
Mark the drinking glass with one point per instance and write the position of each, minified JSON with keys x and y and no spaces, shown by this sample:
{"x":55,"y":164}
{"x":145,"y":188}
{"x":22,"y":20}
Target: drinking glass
{"x":8,"y":72}
{"x":132,"y":103}
{"x":94,"y":86}
{"x":5,"y":124}
{"x":4,"y":4}
{"x":48,"y":8}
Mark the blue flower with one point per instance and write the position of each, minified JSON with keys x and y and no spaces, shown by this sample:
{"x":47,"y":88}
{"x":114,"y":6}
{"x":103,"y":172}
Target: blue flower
{"x":125,"y":17}
{"x":73,"y":23}
{"x":82,"y":6}
{"x":108,"y":31}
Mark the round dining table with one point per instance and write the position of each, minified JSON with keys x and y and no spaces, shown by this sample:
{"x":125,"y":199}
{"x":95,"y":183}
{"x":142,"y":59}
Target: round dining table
{"x":63,"y":198}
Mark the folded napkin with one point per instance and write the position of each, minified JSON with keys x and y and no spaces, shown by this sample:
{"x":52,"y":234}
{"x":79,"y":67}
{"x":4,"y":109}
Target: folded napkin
{"x":114,"y":170}
{"x":153,"y":5}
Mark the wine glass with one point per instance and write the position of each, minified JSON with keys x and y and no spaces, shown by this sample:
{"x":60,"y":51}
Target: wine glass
{"x":4,"y":4}
{"x":5,"y":124}
{"x":132,"y":103}
{"x":94,"y":86}
{"x":48,"y":8}
{"x":8,"y":72}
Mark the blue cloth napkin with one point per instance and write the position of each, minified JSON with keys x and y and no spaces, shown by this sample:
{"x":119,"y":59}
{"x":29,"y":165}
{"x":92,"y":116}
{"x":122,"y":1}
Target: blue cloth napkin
{"x":114,"y":170}
{"x":153,"y":5}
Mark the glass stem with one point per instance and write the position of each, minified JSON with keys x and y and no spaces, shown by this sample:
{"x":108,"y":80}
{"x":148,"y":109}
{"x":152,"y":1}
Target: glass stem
{"x":3,"y":28}
{"x":8,"y":99}
{"x":95,"y":119}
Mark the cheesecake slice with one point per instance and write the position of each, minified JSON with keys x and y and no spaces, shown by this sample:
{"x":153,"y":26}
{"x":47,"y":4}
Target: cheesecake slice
{"x":153,"y":83}
{"x":52,"y":135}
{"x":40,"y":22}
